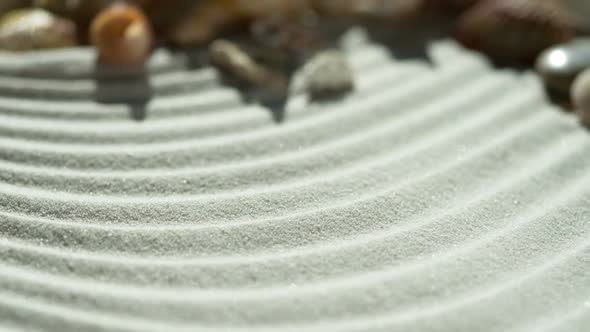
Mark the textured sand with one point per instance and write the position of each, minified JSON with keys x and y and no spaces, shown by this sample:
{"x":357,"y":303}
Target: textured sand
{"x":443,"y":196}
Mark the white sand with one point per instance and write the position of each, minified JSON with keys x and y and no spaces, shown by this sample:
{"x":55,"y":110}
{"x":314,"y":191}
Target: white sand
{"x":444,"y":197}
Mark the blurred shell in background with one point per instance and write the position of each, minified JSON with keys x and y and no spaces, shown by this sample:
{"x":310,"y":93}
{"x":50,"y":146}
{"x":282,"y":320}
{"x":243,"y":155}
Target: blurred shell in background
{"x":30,"y":29}
{"x":241,"y":70}
{"x":514,"y":30}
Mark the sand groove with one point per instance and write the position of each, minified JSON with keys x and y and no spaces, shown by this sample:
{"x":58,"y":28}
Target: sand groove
{"x":447,"y":196}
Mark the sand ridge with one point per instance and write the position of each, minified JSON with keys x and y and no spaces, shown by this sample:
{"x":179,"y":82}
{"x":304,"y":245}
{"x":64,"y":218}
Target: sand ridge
{"x":441,"y":196}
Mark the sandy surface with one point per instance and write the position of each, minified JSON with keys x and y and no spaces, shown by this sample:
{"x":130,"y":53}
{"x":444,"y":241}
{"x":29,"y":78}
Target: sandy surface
{"x":441,"y":196}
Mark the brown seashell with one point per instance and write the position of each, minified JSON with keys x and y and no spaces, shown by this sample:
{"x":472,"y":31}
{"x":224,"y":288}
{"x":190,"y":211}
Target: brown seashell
{"x":239,"y":66}
{"x":514,"y":29}
{"x":258,"y":81}
{"x":29,"y":29}
{"x":122,"y":35}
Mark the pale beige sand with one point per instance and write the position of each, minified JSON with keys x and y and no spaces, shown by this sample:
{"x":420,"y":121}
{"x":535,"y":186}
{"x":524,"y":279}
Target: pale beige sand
{"x":439,"y":197}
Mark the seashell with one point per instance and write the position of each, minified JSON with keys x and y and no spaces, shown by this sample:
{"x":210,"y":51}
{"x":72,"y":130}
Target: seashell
{"x":122,"y":35}
{"x":240,"y":68}
{"x":328,"y":74}
{"x":230,"y":59}
{"x":560,"y":64}
{"x":516,"y":30}
{"x":580,"y":95}
{"x":30,"y":29}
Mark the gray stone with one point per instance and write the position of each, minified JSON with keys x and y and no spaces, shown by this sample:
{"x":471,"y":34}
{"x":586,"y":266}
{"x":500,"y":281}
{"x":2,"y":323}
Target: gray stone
{"x":328,"y":74}
{"x":560,"y":65}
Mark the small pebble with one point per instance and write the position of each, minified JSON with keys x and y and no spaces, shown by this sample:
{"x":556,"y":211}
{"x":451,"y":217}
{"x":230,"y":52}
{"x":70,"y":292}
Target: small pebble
{"x":580,"y":95}
{"x":560,"y":64}
{"x":328,"y":74}
{"x":122,"y":35}
{"x":30,"y":29}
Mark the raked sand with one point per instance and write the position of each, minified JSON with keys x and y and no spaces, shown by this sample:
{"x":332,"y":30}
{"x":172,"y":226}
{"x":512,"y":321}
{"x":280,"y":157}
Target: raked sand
{"x":441,"y":196}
